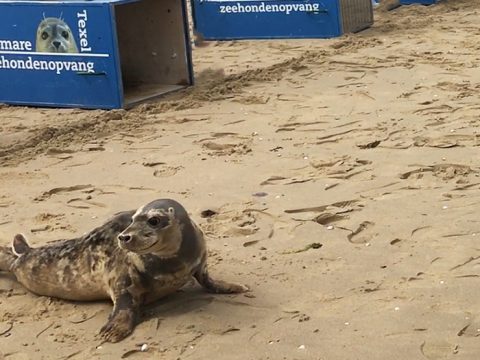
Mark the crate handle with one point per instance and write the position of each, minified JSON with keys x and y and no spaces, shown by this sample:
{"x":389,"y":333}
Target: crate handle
{"x":323,"y":10}
{"x":84,"y":73}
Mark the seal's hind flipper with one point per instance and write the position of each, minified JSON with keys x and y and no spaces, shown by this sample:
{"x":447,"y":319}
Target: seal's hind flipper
{"x":20,"y":245}
{"x":7,"y":257}
{"x":217,"y":286}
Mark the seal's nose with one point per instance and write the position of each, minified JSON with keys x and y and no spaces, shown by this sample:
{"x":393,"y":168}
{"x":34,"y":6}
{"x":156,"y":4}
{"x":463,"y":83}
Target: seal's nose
{"x":125,"y":238}
{"x":56,"y":44}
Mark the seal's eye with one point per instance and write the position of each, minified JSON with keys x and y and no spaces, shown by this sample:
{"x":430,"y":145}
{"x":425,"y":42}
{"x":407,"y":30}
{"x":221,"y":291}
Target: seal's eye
{"x":158,"y":221}
{"x":65,"y":34}
{"x":44,"y":35}
{"x":153,"y":221}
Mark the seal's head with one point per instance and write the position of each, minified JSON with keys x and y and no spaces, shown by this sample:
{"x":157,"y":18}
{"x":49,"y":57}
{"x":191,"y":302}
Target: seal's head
{"x":54,"y":35}
{"x":156,"y":228}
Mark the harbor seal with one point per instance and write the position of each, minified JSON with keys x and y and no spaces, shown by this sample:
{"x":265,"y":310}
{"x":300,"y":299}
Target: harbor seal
{"x":133,"y":259}
{"x":55,"y":36}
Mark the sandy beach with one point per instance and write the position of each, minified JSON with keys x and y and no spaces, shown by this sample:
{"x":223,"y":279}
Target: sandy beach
{"x":343,"y":175}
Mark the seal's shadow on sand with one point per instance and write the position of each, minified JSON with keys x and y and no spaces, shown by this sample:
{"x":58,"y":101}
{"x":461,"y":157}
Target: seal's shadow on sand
{"x":189,"y":299}
{"x":184,"y":301}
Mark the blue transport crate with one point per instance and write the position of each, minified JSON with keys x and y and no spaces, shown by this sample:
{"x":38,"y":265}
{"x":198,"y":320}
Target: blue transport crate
{"x":423,"y":2}
{"x":268,"y":19}
{"x":92,"y":54}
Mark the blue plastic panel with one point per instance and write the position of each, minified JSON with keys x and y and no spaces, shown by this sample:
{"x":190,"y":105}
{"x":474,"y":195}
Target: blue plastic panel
{"x":59,"y":54}
{"x":254,"y":19}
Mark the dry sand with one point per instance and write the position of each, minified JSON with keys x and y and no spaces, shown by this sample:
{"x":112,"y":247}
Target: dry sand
{"x":367,"y":145}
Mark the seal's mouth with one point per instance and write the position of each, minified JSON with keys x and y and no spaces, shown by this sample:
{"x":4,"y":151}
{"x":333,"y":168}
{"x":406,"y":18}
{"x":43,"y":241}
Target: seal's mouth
{"x":148,"y":247}
{"x":161,"y":252}
{"x":141,"y":251}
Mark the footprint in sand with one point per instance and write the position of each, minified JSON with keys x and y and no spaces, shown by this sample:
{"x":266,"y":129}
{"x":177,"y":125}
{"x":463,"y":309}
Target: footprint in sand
{"x":437,"y":349}
{"x":167,"y":171}
{"x":228,"y":222}
{"x":221,"y":144}
{"x":442,"y":171}
{"x":162,"y":169}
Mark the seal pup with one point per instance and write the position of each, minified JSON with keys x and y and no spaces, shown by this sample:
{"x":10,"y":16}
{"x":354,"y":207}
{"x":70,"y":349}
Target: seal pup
{"x":55,"y":36}
{"x":135,"y":258}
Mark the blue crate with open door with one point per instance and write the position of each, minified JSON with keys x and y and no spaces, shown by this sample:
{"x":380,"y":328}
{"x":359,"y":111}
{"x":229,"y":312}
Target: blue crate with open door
{"x":92,"y":54}
{"x":422,"y":2}
{"x":269,"y":19}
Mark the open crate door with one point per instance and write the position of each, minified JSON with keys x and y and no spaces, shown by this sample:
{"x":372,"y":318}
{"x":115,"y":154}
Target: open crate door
{"x":155,"y":53}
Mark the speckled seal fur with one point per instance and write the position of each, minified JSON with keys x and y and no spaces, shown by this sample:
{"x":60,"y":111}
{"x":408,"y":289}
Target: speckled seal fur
{"x":134,"y":258}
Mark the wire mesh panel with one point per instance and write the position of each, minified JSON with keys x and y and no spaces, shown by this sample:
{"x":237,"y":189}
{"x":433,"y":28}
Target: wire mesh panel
{"x":356,"y":15}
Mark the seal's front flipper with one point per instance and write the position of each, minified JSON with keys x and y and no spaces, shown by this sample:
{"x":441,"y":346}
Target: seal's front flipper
{"x":124,"y":316}
{"x":217,"y":286}
{"x":122,"y":320}
{"x":20,"y":245}
{"x":120,"y":325}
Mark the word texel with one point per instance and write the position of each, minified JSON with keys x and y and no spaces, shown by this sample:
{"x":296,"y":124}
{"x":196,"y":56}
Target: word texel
{"x":82,"y":31}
